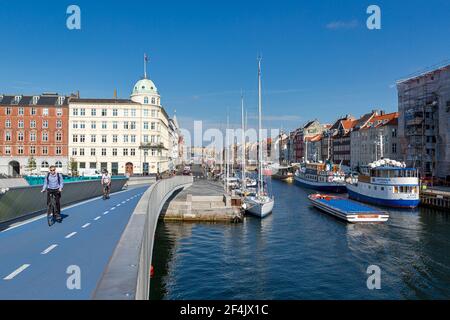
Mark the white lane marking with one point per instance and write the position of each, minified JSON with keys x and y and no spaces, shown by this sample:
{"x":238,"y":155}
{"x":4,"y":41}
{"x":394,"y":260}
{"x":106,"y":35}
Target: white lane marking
{"x":105,"y":213}
{"x":70,"y":235}
{"x":15,"y":273}
{"x":98,"y":218}
{"x":19,"y":224}
{"x":123,"y":202}
{"x":118,"y":205}
{"x":53,"y":246}
{"x":86,"y":225}
{"x":113,"y":208}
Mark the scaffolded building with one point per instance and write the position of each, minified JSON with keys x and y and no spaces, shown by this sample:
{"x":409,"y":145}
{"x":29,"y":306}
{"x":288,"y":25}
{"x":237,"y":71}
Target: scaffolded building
{"x":424,"y":122}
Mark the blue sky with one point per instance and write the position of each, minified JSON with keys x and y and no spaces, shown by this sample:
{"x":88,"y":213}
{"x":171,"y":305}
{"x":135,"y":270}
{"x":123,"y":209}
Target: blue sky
{"x":319,"y":58}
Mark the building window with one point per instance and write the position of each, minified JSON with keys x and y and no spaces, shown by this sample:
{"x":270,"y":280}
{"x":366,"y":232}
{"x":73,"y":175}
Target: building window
{"x":145,"y":138}
{"x":115,"y":125}
{"x":21,"y":111}
{"x":58,"y":164}
{"x":82,"y":125}
{"x":75,"y":125}
{"x":153,"y":113}
{"x":92,"y":165}
{"x":133,"y":138}
{"x":93,"y":112}
{"x":125,"y":125}
{"x":125,"y":152}
{"x":145,"y":125}
{"x":92,"y":152}
{"x":114,"y":152}
{"x":44,"y":164}
{"x":82,"y":138}
{"x":20,"y":150}
{"x":75,"y":112}
{"x":59,"y":136}
{"x":82,"y":112}
{"x":75,"y":138}
{"x":33,"y":150}
{"x":93,"y":125}
{"x":103,"y":151}
{"x":20,"y":136}
{"x":82,"y":165}
{"x":93,"y":138}
{"x":133,"y":112}
{"x":115,"y":138}
{"x":61,"y":100}
{"x":145,"y":112}
{"x":153,"y":126}
{"x":104,"y":138}
{"x":104,"y":125}
{"x":59,"y":112}
{"x":7,"y":150}
{"x":394,"y":148}
{"x":153,"y":101}
{"x":81,"y":151}
{"x":7,"y":136}
{"x":125,"y":112}
{"x":45,"y":124}
{"x":74,"y":151}
{"x":59,"y":124}
{"x":35,"y":100}
{"x":8,"y":123}
{"x":45,"y":112}
{"x":146,"y":100}
{"x":132,"y":152}
{"x":45,"y":151}
{"x":125,"y":138}
{"x":115,"y":112}
{"x":104,"y":112}
{"x":33,"y":136}
{"x":133,"y":125}
{"x":8,"y":111}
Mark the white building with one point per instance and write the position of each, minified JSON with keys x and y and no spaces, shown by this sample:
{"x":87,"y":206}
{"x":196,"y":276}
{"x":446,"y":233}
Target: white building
{"x":174,"y":143}
{"x":120,"y":135}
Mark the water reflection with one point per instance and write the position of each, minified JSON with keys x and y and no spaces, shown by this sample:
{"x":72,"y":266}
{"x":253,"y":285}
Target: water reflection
{"x":301,"y":253}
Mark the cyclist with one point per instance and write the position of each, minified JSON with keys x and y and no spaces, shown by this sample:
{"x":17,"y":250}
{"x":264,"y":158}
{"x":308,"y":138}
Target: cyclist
{"x":106,"y":184}
{"x":53,"y":184}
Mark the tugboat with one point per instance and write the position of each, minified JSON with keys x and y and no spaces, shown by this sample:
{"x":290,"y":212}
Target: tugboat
{"x":386,"y":183}
{"x":348,"y":210}
{"x":324,"y":177}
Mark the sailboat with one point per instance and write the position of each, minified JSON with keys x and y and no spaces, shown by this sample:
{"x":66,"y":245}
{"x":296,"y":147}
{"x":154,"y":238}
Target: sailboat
{"x":261,"y":204}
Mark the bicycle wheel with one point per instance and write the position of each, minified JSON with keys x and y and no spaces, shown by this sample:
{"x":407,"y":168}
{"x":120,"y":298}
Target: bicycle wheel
{"x":50,"y":216}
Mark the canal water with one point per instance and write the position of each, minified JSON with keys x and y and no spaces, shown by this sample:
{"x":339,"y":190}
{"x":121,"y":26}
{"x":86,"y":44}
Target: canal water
{"x":299,"y":252}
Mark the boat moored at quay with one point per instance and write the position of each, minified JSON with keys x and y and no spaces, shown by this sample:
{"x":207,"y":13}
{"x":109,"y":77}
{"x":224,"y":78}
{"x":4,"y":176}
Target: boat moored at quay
{"x":386,"y":183}
{"x":323,"y":177}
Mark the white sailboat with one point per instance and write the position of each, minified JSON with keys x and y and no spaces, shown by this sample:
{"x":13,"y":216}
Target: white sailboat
{"x":260,"y":205}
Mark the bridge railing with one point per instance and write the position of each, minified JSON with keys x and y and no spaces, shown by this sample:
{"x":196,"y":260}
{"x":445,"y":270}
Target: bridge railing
{"x":127,"y":276}
{"x":21,"y":202}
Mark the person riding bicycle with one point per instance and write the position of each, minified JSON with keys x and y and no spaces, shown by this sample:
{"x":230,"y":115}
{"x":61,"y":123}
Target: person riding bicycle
{"x":54,"y":184}
{"x":106,"y":184}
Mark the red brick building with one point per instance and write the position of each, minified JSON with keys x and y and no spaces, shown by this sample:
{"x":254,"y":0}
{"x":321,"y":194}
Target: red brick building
{"x":33,"y":127}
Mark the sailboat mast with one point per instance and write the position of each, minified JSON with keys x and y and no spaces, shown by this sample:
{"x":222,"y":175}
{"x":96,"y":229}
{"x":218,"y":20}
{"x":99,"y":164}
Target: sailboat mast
{"x":243,"y":142}
{"x":227,"y":153}
{"x":260,"y":153}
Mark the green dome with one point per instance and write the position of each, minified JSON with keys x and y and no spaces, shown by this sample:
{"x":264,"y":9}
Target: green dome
{"x":145,"y":86}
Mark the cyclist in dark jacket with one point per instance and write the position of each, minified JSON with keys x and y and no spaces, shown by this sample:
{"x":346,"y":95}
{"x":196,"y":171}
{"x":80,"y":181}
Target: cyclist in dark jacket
{"x":54,"y":184}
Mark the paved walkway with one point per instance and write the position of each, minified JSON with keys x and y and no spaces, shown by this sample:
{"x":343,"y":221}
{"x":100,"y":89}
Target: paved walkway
{"x":37,"y":261}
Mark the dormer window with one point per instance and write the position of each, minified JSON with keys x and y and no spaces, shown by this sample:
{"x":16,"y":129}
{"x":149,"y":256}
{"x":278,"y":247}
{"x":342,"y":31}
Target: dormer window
{"x":35,"y":99}
{"x":146,"y":100}
{"x":17,"y":99}
{"x":61,"y":100}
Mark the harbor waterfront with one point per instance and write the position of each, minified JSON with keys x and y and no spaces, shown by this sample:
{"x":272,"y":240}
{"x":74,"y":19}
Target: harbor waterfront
{"x":299,"y":252}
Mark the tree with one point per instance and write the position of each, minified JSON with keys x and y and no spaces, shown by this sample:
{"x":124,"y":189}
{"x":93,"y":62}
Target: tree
{"x":73,"y":167}
{"x":31,"y":164}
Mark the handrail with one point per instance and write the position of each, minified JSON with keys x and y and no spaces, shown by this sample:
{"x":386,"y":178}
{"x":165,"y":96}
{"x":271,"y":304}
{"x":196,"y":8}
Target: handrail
{"x":127,"y":276}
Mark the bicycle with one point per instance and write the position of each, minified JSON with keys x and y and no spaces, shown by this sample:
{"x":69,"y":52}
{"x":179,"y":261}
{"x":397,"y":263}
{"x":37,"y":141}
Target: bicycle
{"x":106,"y":192}
{"x":51,"y":210}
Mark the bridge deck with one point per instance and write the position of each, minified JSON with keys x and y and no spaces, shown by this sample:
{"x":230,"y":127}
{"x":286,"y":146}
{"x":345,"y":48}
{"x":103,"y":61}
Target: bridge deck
{"x":34,"y":257}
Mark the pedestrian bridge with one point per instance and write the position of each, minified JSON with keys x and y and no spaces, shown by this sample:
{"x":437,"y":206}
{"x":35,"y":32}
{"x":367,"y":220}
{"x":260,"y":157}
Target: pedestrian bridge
{"x":101,"y":250}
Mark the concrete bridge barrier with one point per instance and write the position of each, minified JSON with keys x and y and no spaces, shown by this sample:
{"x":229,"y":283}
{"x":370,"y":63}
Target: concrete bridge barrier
{"x":127,"y":276}
{"x":20,"y":202}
